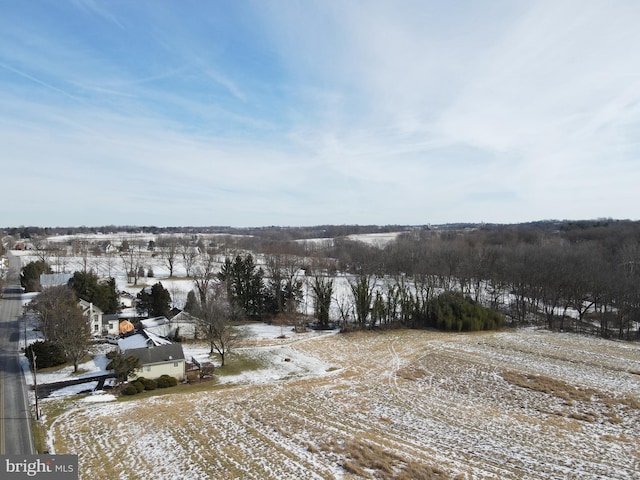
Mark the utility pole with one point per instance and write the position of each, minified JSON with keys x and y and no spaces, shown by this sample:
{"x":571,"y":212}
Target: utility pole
{"x":35,"y":383}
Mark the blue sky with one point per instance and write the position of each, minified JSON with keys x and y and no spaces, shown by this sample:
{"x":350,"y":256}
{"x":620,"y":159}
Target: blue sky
{"x":242,"y":113}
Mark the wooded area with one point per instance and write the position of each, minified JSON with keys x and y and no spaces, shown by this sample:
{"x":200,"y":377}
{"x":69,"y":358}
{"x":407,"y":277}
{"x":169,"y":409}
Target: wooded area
{"x":571,"y":276}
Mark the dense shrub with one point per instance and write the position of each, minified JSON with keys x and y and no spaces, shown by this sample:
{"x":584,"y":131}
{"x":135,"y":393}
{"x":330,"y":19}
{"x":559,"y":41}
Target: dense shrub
{"x":166,"y":381}
{"x":48,"y":354}
{"x":139,"y":386}
{"x":451,"y":311}
{"x":30,"y":276}
{"x":148,"y":383}
{"x":129,"y":390}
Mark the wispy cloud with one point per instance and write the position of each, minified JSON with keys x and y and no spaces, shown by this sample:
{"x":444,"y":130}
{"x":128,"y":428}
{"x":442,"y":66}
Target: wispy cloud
{"x":250,"y":113}
{"x":38,"y":81}
{"x":99,"y":8}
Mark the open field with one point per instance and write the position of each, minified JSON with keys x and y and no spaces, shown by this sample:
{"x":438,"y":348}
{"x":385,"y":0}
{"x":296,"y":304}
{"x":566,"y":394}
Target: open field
{"x":520,"y":404}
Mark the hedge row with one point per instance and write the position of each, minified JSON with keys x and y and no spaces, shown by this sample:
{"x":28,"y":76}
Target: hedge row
{"x":142,"y":384}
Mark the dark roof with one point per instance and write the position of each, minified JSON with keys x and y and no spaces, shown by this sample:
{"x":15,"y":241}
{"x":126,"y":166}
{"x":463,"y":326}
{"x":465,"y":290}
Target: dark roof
{"x":159,"y":354}
{"x":110,"y":317}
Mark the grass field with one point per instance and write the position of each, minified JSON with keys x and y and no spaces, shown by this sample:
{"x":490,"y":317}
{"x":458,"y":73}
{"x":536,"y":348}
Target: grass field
{"x":402,"y":404}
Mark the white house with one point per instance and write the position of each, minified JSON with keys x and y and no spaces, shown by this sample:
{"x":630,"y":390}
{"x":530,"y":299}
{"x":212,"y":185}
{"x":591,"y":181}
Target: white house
{"x":158,"y":325}
{"x":110,"y":324}
{"x":94,"y":317}
{"x":126,"y":299}
{"x":184,"y":325}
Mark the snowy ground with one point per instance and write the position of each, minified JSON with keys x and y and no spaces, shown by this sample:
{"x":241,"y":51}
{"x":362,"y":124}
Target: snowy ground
{"x":263,"y":343}
{"x":523,"y":404}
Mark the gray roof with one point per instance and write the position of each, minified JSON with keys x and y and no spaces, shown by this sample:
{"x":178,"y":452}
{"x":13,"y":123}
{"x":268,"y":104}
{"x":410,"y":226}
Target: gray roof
{"x":160,"y":354}
{"x":54,"y":279}
{"x":110,"y":318}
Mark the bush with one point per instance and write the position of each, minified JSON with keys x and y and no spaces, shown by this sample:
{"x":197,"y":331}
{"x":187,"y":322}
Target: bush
{"x":129,"y":390}
{"x":139,"y":386}
{"x":166,"y":381}
{"x":48,"y":354}
{"x":452,"y":311}
{"x":148,"y":383}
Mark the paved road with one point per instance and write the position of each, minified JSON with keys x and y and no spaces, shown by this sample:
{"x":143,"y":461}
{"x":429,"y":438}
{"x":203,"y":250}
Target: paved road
{"x":15,"y":427}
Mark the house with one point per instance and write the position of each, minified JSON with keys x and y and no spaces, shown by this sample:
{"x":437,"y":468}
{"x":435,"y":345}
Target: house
{"x":126,"y":299}
{"x":144,"y":338}
{"x":158,"y":325}
{"x":184,"y":325}
{"x":107,"y":247}
{"x":131,"y":342}
{"x":110,"y":324}
{"x":94,"y":317}
{"x":160,"y":360}
{"x":48,"y":280}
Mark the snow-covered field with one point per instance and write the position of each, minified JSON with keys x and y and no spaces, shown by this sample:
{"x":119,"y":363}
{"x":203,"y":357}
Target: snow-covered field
{"x":525,"y":404}
{"x":522,"y":404}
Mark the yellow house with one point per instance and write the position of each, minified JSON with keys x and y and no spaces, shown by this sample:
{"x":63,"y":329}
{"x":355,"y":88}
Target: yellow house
{"x":160,"y":360}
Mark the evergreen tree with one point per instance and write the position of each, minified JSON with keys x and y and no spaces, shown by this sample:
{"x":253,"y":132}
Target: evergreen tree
{"x":155,"y":302}
{"x":48,"y":354}
{"x":245,"y":287}
{"x":122,"y":365}
{"x":192,"y":302}
{"x":30,"y":276}
{"x":102,"y":294}
{"x":452,"y":311}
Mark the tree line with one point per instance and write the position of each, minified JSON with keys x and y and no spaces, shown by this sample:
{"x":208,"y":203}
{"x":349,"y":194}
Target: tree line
{"x":581,"y":277}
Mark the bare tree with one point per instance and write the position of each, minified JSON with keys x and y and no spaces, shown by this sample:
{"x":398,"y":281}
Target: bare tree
{"x":168,"y":246}
{"x":204,"y":275}
{"x":131,"y":256}
{"x":41,"y":245}
{"x":322,"y":289}
{"x":47,"y":304}
{"x":82,"y":250}
{"x":63,"y":322}
{"x":109,"y":261}
{"x":189,"y":255}
{"x":214,"y":321}
{"x":72,"y":333}
{"x":345,"y":309}
{"x":362,"y":291}
{"x":283,"y":272}
{"x":59,"y":255}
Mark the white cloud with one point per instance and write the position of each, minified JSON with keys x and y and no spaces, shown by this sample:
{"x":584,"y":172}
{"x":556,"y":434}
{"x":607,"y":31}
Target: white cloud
{"x":349,"y":112}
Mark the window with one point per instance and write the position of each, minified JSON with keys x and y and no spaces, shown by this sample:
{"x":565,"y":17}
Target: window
{"x":175,"y":364}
